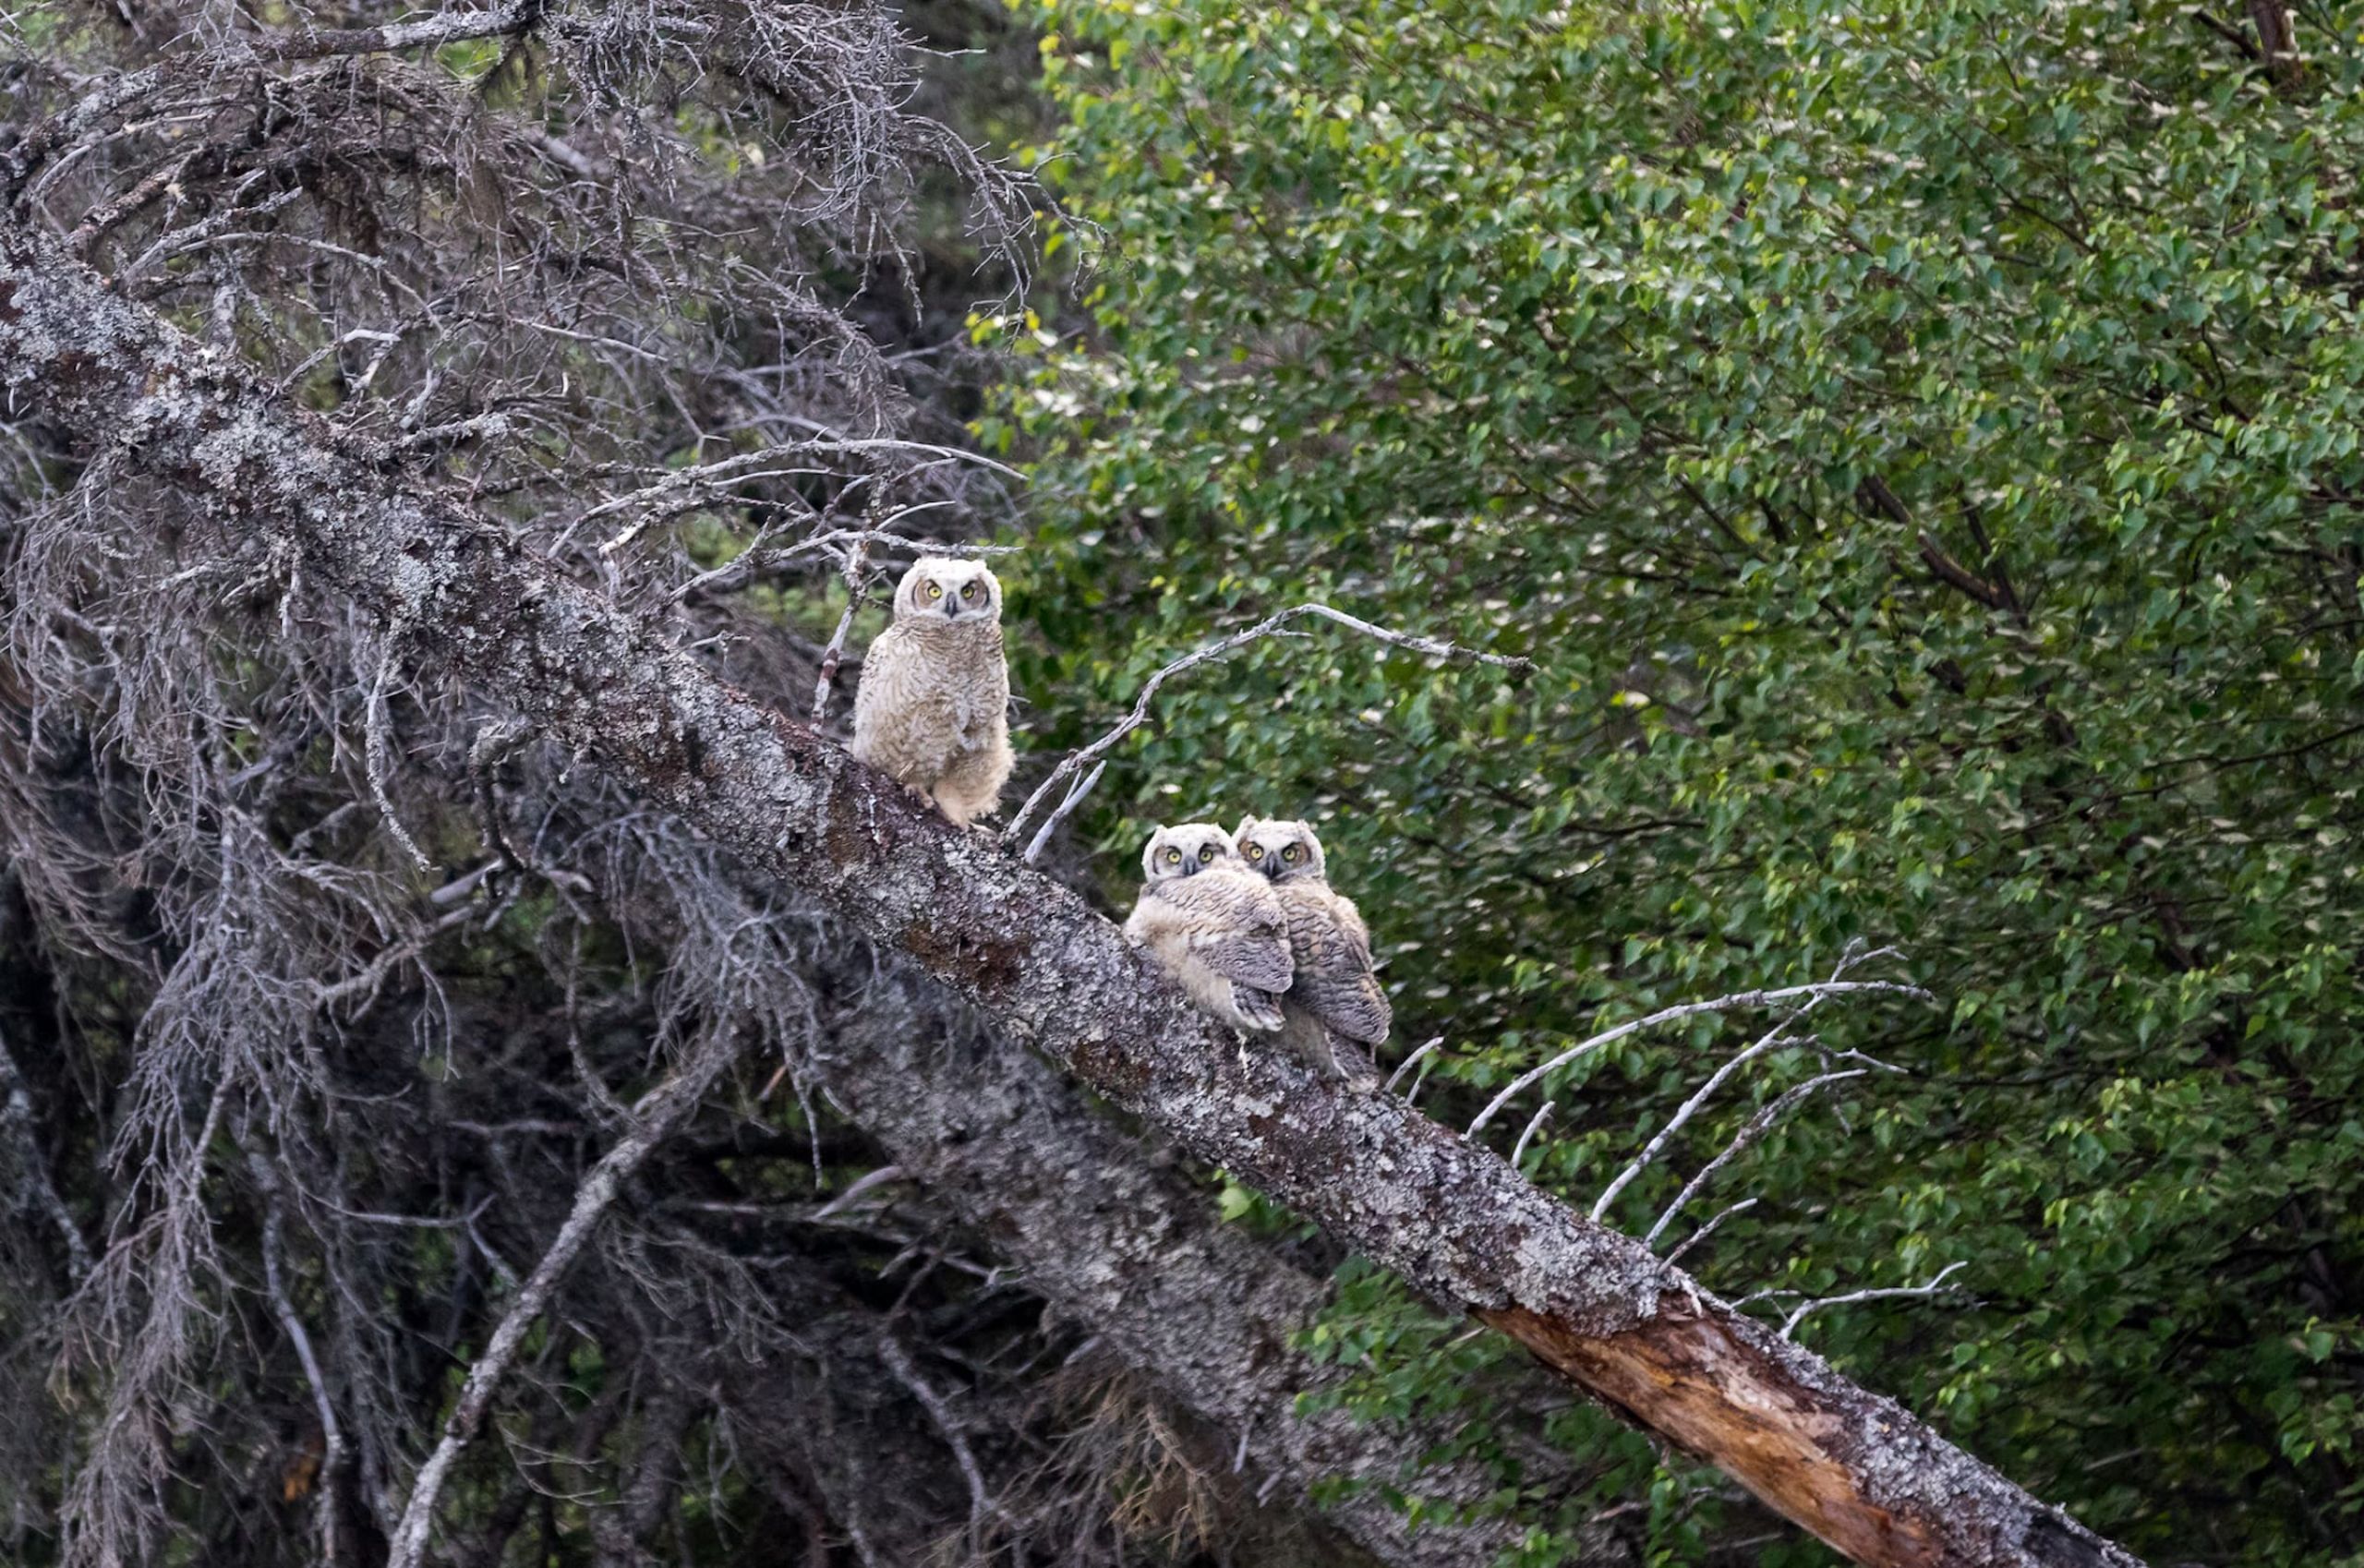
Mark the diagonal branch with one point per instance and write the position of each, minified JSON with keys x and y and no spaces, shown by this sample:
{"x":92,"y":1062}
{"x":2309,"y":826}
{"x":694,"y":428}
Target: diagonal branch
{"x":1533,"y":1076}
{"x":1756,"y":1128}
{"x":1771,"y":1040}
{"x":1268,"y":627}
{"x":1889,"y":1293}
{"x":16,"y":1124}
{"x":290,"y":1322}
{"x":657,"y":1113}
{"x":1451,"y":1216}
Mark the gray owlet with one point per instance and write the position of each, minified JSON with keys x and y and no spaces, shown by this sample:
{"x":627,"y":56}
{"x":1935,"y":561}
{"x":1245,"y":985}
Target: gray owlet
{"x":933,"y":709}
{"x":1216,"y":926}
{"x":1333,"y":993}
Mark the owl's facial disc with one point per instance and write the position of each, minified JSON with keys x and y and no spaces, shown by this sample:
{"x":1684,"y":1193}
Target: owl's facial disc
{"x":1184,"y":849}
{"x":1282,"y":851}
{"x":940,"y":588}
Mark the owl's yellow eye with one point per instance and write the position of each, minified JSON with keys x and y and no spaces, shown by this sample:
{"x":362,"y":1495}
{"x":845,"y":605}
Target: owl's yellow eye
{"x":935,"y":590}
{"x":1174,"y":857}
{"x":1255,"y":852}
{"x":1291,"y":853}
{"x":1206,"y":851}
{"x":969,"y":590}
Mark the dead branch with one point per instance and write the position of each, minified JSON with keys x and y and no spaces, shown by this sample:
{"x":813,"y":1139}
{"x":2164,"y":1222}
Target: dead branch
{"x":16,"y":1125}
{"x":1935,"y":1284}
{"x":1703,"y":1231}
{"x":1733,"y":1003}
{"x":1771,"y":1040}
{"x":655,"y":1115}
{"x":1533,"y":1125}
{"x":981,"y":1502}
{"x":1756,"y":1128}
{"x":1074,"y":761}
{"x":1409,"y":1063}
{"x":267,"y":1182}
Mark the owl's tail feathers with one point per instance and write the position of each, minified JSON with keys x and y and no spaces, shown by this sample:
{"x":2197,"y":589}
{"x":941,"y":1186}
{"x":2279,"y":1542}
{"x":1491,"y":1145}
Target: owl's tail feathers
{"x":1256,"y":1009}
{"x":1350,"y":1063}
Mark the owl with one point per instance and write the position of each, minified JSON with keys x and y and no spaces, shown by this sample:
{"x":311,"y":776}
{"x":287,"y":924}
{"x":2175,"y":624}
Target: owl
{"x":1333,"y":992}
{"x":1216,"y":926}
{"x":933,"y":709}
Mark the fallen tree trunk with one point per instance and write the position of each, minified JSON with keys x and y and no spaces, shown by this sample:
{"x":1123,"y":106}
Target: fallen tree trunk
{"x":461,"y":597}
{"x":1132,"y":1250}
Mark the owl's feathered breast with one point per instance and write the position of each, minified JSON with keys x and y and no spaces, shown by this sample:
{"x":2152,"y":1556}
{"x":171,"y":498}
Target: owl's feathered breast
{"x":949,"y":681}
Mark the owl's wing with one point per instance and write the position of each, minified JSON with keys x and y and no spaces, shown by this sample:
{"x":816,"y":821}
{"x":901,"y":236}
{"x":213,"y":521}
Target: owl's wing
{"x":878,"y":673}
{"x":1236,"y":928}
{"x":1334,"y":979}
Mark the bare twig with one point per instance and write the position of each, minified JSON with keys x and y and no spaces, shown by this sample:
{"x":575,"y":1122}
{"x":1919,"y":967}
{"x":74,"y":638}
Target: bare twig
{"x":16,"y":1123}
{"x":1533,"y":1125}
{"x":857,"y":578}
{"x":1891,"y":1293}
{"x":1075,"y":761}
{"x":1076,"y":792}
{"x":749,"y":561}
{"x":210,"y":228}
{"x":1772,"y":1039}
{"x":655,"y":1115}
{"x":685,"y":488}
{"x":374,"y":746}
{"x":1757,"y":1128}
{"x":1687,"y":1009}
{"x":101,"y":220}
{"x":835,"y":441}
{"x":981,"y":1502}
{"x":374,"y":976}
{"x":332,"y":1433}
{"x":1703,"y":1231}
{"x":869,"y":1180}
{"x":1778,"y":1035}
{"x":1409,"y":1063}
{"x":688,"y":487}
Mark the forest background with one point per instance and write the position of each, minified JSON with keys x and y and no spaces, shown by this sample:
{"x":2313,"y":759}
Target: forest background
{"x":1916,"y":449}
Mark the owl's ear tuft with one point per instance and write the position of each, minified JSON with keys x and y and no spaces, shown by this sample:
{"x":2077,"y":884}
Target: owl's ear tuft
{"x":1244,"y":824}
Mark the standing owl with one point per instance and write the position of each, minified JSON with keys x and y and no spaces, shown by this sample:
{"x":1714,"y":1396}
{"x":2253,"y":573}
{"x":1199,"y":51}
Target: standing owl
{"x":1333,"y":993}
{"x":1215,"y":926}
{"x":932,"y":707}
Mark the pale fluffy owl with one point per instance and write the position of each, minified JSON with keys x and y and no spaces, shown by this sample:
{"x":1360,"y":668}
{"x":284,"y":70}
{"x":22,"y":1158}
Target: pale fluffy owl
{"x":1332,"y":995}
{"x":1215,"y":927}
{"x":932,"y":707}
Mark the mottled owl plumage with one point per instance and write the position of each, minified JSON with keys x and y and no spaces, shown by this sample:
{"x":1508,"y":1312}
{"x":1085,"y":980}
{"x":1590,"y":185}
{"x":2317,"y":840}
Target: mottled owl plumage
{"x":1334,"y":1005}
{"x":1215,"y":927}
{"x":933,"y":709}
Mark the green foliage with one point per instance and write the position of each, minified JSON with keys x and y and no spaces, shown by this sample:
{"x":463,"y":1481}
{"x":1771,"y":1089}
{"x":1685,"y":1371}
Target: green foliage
{"x":1919,"y":447}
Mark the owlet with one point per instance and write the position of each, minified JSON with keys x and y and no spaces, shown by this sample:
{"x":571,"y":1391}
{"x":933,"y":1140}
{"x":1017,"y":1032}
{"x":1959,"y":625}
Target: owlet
{"x":933,"y":709}
{"x":1214,"y":926}
{"x":1333,"y":993}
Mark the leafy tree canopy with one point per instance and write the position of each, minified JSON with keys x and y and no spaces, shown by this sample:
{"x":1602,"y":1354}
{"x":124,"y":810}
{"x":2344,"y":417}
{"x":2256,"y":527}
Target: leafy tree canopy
{"x":1918,"y":446}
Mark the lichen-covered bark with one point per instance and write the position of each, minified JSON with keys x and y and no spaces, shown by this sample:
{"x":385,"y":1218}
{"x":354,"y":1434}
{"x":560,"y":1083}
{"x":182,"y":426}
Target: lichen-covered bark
{"x":1136,"y":1252}
{"x":1453,"y":1218}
